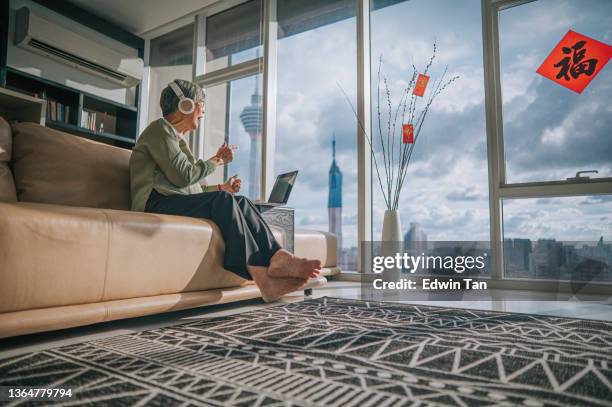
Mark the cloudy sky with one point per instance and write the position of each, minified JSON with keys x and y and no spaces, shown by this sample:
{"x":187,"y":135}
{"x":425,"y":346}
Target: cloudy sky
{"x":550,"y":132}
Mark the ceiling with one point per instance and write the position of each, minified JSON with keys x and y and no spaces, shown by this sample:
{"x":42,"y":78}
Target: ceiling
{"x":143,"y":15}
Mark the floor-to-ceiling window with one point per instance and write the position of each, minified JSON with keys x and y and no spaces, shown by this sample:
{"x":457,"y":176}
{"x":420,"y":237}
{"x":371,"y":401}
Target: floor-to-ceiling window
{"x":315,"y":128}
{"x":554,"y":227}
{"x":445,"y":192}
{"x":234,"y":97}
{"x":233,"y":114}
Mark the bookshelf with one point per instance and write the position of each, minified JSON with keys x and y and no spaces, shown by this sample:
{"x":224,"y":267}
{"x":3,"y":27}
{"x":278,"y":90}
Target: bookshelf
{"x":76,"y":112}
{"x":17,"y":106}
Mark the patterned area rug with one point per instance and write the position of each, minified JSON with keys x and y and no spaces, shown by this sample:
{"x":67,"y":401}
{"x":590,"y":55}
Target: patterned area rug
{"x":336,"y":352}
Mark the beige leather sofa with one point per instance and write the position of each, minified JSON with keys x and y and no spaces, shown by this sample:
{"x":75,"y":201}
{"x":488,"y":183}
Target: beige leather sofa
{"x":71,"y":252}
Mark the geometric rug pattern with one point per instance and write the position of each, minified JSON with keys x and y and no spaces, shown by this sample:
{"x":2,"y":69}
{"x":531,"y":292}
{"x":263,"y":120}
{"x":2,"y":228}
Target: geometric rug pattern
{"x":337,"y":352}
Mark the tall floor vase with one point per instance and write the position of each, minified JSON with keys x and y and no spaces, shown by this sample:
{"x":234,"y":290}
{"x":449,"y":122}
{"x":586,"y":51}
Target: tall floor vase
{"x":391,"y":242}
{"x":392,"y":227}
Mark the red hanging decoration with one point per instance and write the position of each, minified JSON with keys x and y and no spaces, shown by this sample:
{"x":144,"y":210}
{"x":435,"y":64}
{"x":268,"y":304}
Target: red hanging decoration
{"x":407,"y":134}
{"x":421,"y":84}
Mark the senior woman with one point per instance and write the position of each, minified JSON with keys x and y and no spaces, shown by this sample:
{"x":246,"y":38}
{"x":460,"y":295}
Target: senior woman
{"x":166,"y":178}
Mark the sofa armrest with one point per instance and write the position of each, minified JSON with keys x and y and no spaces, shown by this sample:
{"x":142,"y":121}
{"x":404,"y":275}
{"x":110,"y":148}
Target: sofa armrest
{"x":314,"y":244}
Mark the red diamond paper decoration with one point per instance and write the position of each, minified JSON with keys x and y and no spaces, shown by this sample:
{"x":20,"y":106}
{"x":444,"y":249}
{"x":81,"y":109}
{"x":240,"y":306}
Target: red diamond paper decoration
{"x":575,"y":61}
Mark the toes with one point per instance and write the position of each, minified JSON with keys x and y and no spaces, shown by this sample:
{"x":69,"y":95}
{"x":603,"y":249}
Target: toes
{"x":296,"y":268}
{"x":315,"y":264}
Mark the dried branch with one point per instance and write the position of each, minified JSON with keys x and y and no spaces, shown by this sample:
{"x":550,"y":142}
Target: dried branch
{"x":396,"y":159}
{"x":365,"y":133}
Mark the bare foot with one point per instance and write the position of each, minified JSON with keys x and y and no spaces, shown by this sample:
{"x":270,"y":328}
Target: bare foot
{"x":285,"y":264}
{"x":274,"y":288}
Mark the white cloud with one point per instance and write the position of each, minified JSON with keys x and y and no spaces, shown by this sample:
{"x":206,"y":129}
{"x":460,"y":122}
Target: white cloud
{"x":537,"y":19}
{"x":555,"y":136}
{"x":558,"y":218}
{"x":573,"y":125}
{"x":464,"y":93}
{"x":518,"y":81}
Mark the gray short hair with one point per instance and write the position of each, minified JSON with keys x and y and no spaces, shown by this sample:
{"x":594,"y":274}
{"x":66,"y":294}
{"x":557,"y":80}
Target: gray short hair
{"x":168,"y":101}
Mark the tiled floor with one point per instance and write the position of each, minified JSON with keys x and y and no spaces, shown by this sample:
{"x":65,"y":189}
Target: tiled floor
{"x":509,"y":301}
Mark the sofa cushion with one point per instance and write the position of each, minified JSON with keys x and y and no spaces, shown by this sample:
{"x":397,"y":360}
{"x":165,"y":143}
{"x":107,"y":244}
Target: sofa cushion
{"x":7,"y":184}
{"x":58,"y":168}
{"x":154,"y":254}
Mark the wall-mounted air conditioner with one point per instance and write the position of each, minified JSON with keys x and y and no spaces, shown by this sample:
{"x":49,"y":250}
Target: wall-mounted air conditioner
{"x":48,"y":38}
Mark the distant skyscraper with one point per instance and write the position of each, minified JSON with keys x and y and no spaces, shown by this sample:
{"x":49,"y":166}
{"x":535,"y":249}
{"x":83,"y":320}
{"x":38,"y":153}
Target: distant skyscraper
{"x":547,"y":257}
{"x":415,"y":240}
{"x":334,"y":201}
{"x":517,"y":256}
{"x":251,"y":118}
{"x":415,"y":234}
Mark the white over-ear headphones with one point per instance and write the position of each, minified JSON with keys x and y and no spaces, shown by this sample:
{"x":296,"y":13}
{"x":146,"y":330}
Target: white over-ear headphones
{"x":185,"y":104}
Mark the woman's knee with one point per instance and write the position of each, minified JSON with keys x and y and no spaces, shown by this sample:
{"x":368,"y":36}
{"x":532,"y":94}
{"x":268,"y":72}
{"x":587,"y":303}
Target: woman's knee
{"x":243,"y":201}
{"x":225,"y":199}
{"x":224,"y":195}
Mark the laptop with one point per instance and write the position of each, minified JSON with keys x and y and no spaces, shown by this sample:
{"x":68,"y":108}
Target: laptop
{"x":281,"y":190}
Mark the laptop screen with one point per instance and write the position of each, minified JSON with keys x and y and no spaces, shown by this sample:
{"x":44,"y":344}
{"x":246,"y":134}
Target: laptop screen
{"x":282,"y":188}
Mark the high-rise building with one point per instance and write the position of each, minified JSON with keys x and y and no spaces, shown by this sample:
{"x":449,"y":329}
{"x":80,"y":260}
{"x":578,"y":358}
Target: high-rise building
{"x":251,"y":118}
{"x":547,"y":258}
{"x":334,"y":201}
{"x":415,"y":240}
{"x":415,"y":233}
{"x":518,"y":257}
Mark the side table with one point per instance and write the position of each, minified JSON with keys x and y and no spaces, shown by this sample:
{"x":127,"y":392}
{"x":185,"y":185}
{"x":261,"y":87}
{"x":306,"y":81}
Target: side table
{"x":281,"y":217}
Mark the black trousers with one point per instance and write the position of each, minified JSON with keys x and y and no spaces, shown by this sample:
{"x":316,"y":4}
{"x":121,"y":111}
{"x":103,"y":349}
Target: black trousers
{"x":248,"y":239}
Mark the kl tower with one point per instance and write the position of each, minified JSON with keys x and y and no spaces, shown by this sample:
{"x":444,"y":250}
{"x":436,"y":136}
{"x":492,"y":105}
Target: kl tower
{"x":251,"y":118}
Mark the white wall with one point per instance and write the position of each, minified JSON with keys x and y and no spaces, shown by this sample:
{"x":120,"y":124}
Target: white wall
{"x":160,"y":77}
{"x":41,"y":66}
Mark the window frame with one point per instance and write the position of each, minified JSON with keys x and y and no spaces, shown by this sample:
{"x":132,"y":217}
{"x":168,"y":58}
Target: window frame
{"x":241,"y":70}
{"x":499,"y":189}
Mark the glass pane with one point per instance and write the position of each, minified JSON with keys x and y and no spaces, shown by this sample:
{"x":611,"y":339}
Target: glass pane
{"x":551,"y":132}
{"x":171,"y":58}
{"x":558,"y":238}
{"x":233,"y":114}
{"x":445,"y":192}
{"x":295,"y":17}
{"x":234,"y":35}
{"x":173,"y":48}
{"x":312,"y":113}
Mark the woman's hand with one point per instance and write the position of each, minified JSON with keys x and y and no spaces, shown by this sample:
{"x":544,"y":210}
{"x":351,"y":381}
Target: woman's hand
{"x":232,"y":185}
{"x":225,"y":154}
